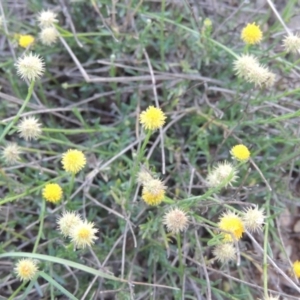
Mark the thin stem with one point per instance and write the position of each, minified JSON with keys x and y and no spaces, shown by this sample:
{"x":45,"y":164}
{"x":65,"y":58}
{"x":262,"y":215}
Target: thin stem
{"x":140,"y":154}
{"x":71,"y":185}
{"x":15,"y":293}
{"x":42,"y":216}
{"x":181,"y":266}
{"x":265,"y":259}
{"x":16,"y":118}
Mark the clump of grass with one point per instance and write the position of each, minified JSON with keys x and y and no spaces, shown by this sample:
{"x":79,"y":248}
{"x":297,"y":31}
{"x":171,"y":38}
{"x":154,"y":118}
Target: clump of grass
{"x":133,"y":128}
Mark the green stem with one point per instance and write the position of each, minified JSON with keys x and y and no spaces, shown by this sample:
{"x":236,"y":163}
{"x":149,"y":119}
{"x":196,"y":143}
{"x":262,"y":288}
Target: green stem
{"x":42,"y":216}
{"x":70,"y":187}
{"x":140,"y":154}
{"x":265,"y":259}
{"x":15,"y":293}
{"x":181,"y":266}
{"x":16,"y":118}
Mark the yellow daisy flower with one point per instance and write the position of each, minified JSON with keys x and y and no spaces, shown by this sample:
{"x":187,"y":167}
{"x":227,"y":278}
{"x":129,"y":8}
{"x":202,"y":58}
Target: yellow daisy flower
{"x":251,"y":34}
{"x":73,"y":161}
{"x":52,"y":192}
{"x":152,"y":118}
{"x":26,"y":269}
{"x":26,"y":40}
{"x":153,"y":192}
{"x":240,"y":152}
{"x":232,"y":223}
{"x":296,"y":268}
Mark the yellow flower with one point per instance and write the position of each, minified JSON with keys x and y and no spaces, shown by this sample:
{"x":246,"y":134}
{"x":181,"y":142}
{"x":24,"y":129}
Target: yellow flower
{"x":83,"y":234}
{"x":296,"y":268}
{"x":52,"y":192}
{"x":153,"y":192}
{"x":233,"y":224}
{"x":251,"y":34}
{"x":26,"y":269}
{"x":240,"y":152}
{"x":25,"y":40}
{"x":67,"y":222}
{"x":152,"y":118}
{"x":153,"y":198}
{"x":73,"y":161}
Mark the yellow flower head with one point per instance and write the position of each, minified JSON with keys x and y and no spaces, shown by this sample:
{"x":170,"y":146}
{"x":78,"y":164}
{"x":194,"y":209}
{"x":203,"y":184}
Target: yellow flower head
{"x":296,"y":268}
{"x":26,"y":269}
{"x":152,"y":118}
{"x":153,"y":192}
{"x":240,"y":152}
{"x":233,"y":224}
{"x":83,"y":234}
{"x":251,"y":34}
{"x":73,"y":161}
{"x":52,"y":192}
{"x":67,"y":222}
{"x":25,"y":40}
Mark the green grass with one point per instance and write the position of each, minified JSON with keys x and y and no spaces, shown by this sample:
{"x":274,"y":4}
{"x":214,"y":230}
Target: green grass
{"x":96,"y":83}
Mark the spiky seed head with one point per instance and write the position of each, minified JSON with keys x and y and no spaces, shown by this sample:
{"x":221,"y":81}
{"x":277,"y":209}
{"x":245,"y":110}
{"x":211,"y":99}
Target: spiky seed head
{"x":253,"y":218}
{"x":30,"y":67}
{"x":29,"y":128}
{"x":224,"y":173}
{"x":225,"y":252}
{"x":248,"y":68}
{"x":144,"y":176}
{"x":67,"y":222}
{"x":11,"y":153}
{"x":176,"y":220}
{"x":47,"y":18}
{"x":291,"y":43}
{"x":48,"y":36}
